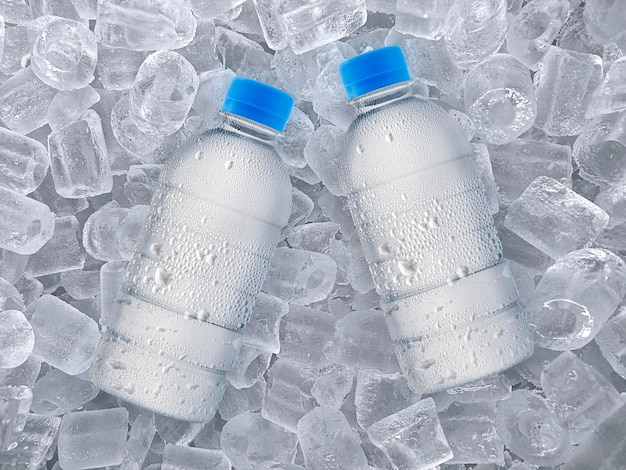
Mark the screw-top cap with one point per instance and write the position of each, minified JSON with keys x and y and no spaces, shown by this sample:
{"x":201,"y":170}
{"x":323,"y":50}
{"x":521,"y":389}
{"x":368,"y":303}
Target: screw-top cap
{"x":259,"y":102}
{"x":373,"y":70}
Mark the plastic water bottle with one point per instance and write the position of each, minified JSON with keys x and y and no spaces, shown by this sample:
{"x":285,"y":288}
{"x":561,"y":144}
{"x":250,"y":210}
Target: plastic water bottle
{"x":200,"y":261}
{"x":448,"y":295}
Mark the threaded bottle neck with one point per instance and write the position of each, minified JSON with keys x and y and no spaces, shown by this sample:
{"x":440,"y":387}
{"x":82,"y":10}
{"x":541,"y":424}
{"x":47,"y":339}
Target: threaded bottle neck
{"x":382,"y":96}
{"x":248,"y":128}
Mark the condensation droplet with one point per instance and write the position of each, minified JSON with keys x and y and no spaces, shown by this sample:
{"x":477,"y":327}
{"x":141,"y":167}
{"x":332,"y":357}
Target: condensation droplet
{"x":407,"y":267}
{"x":385,"y":249}
{"x":360,"y":149}
{"x":389,"y":137}
{"x":162,"y":277}
{"x":228,"y":165}
{"x":155,"y":249}
{"x":199,"y":155}
{"x":433,"y":222}
{"x":427,"y":364}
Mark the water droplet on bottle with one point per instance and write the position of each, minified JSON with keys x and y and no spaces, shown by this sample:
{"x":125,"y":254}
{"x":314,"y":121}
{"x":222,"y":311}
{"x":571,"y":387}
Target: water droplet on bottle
{"x":427,"y":364}
{"x":155,"y":249}
{"x":360,"y":149}
{"x":162,"y":277}
{"x":463,"y":271}
{"x":407,"y":267}
{"x":228,"y":165}
{"x":389,"y":137}
{"x":199,"y":155}
{"x":129,"y":388}
{"x":385,"y":249}
{"x":211,"y":258}
{"x":433,"y":222}
{"x":116,"y":364}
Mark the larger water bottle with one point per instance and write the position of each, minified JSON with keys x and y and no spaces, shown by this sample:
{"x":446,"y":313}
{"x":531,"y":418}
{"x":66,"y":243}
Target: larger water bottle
{"x":200,"y":261}
{"x":415,"y":196}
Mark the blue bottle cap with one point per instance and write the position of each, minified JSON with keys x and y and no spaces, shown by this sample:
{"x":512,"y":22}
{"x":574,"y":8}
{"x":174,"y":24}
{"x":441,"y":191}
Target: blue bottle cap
{"x":259,"y":102}
{"x":373,"y":70}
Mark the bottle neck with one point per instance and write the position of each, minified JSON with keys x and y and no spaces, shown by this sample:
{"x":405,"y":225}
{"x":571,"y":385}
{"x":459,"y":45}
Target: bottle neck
{"x":382,"y":96}
{"x":247,"y":128}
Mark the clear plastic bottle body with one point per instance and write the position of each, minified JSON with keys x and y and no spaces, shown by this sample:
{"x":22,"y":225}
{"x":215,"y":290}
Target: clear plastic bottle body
{"x":198,"y":266}
{"x":424,"y":224}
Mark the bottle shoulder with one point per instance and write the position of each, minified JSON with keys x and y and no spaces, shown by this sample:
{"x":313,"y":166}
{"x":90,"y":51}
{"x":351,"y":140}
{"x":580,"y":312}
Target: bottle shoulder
{"x":240,"y":172}
{"x":395,"y":139}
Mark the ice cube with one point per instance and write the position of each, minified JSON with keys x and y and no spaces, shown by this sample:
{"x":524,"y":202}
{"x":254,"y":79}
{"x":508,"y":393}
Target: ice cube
{"x":289,"y":394}
{"x":581,"y":397}
{"x":312,"y":237}
{"x":116,"y":68}
{"x":81,"y":284}
{"x":474,"y":30}
{"x":17,"y":49}
{"x":297,"y":133}
{"x":516,"y":164}
{"x":500,"y":98}
{"x":16,"y":339}
{"x":301,"y":207}
{"x":68,"y":106}
{"x":31,"y":289}
{"x":24,"y":101}
{"x":296,"y":73}
{"x":321,"y":154}
{"x":248,"y":439}
{"x":530,"y":430}
{"x":34,"y":443}
{"x":561,"y":107}
{"x":26,"y":224}
{"x":175,"y":431}
{"x":25,"y":374}
{"x":471,"y":432}
{"x":65,"y":54}
{"x":604,"y":448}
{"x":600,"y":149}
{"x":332,"y":385}
{"x":64,"y":337}
{"x":101,"y":232}
{"x":130,"y":230}
{"x":300,"y":277}
{"x":237,"y":401}
{"x":214,"y":8}
{"x":111,"y":277}
{"x":363,"y":341}
{"x":140,"y":182}
{"x":612,"y":342}
{"x":140,"y":438}
{"x":232,"y":47}
{"x":12,"y":266}
{"x":421,"y":19}
{"x":306,"y":336}
{"x":15,"y":11}
{"x":412,"y":437}
{"x":554,"y":219}
{"x":89,"y":439}
{"x":59,"y":205}
{"x":163,"y":92}
{"x":481,"y":156}
{"x":271,"y":26}
{"x":24,"y":161}
{"x":379,"y":395}
{"x":189,"y":458}
{"x":262,"y":328}
{"x":533,"y":29}
{"x":309,"y":25}
{"x":58,"y":8}
{"x":328,"y":442}
{"x":145,"y":25}
{"x":201,"y":51}
{"x":610,"y":96}
{"x":575,"y":297}
{"x":61,"y":253}
{"x":57,"y":393}
{"x":277,"y":466}
{"x":605,"y":21}
{"x":14,"y":405}
{"x":128,"y":135}
{"x":250,"y":365}
{"x":79,"y":159}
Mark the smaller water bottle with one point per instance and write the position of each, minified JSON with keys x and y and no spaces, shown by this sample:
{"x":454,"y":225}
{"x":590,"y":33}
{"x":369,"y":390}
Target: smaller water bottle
{"x":418,"y":204}
{"x":200,"y":261}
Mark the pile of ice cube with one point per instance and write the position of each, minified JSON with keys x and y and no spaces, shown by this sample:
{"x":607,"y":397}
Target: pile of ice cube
{"x":95,"y":97}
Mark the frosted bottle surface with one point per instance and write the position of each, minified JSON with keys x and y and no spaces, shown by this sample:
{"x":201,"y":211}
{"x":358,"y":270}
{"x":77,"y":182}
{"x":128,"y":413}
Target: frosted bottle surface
{"x":416,"y":199}
{"x":199,"y":263}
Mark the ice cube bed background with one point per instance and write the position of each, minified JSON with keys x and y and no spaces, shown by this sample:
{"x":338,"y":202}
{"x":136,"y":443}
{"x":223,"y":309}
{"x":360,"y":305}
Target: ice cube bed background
{"x":92,"y":102}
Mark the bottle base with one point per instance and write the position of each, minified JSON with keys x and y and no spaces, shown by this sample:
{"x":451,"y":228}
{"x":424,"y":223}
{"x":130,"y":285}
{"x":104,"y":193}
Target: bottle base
{"x":146,"y":378}
{"x":453,"y":358}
